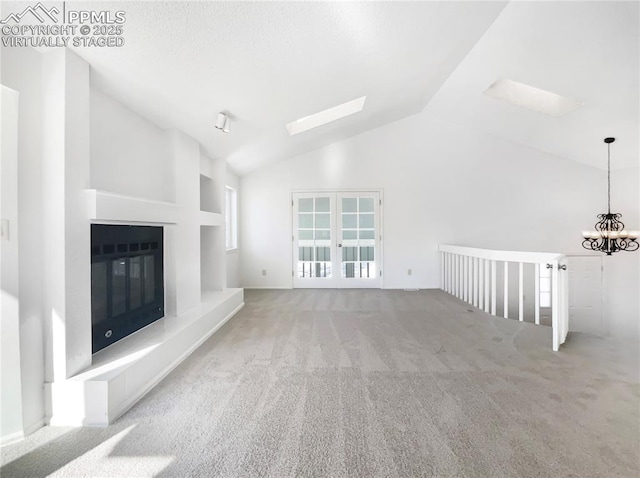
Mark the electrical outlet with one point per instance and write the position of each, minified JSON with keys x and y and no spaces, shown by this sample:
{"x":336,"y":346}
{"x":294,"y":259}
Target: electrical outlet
{"x":264,"y":272}
{"x":409,"y":272}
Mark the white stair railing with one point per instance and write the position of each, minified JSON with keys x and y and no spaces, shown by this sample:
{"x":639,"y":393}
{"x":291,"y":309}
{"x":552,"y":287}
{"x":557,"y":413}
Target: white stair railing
{"x":470,"y":274}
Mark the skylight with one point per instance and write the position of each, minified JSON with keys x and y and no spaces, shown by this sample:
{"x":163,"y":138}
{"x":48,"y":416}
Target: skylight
{"x":532,"y":98}
{"x":326,"y":116}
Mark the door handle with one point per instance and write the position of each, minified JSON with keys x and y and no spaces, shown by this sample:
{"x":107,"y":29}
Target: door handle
{"x":339,"y":245}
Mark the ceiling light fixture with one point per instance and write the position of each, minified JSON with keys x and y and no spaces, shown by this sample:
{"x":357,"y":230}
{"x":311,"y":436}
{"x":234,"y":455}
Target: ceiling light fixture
{"x":326,"y":116}
{"x":610,"y":235}
{"x":532,"y":98}
{"x":223,"y":123}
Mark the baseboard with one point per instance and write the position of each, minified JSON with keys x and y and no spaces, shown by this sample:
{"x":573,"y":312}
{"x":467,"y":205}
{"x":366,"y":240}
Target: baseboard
{"x":268,"y":288}
{"x":17,"y":436}
{"x":11,"y":438}
{"x":158,"y":378}
{"x":34,"y":427}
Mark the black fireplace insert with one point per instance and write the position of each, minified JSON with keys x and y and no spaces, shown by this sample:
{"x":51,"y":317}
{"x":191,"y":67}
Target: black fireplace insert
{"x":127,"y":286}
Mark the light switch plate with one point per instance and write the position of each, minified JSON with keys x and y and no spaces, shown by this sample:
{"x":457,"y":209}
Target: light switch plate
{"x":4,"y":229}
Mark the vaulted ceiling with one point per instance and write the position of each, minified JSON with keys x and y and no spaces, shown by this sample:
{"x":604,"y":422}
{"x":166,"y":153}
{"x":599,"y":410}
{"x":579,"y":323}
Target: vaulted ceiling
{"x":269,"y":63}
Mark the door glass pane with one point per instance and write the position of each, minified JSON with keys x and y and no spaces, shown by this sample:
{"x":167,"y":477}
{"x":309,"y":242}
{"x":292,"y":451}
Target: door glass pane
{"x":365,"y":221}
{"x":305,"y":220}
{"x":323,"y":253}
{"x":349,"y":204}
{"x":349,"y":221}
{"x":314,"y":237}
{"x":323,"y":205}
{"x":366,"y":253}
{"x":323,"y":221}
{"x":350,"y":254}
{"x":349,"y":270}
{"x":305,"y":205}
{"x":365,"y":204}
{"x":349,"y":234}
{"x":367,"y":234}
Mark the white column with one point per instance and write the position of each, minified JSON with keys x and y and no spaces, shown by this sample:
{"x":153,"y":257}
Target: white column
{"x":66,"y":161}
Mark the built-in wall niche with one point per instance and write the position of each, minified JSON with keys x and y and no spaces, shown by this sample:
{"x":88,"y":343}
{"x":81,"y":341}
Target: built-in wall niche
{"x":212,"y":259}
{"x":209,"y":195}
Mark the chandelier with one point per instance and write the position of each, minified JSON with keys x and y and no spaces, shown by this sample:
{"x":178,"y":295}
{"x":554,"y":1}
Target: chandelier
{"x":610,"y":235}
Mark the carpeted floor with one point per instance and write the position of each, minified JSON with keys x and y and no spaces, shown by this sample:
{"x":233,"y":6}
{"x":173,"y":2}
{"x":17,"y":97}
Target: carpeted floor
{"x":368,"y":383}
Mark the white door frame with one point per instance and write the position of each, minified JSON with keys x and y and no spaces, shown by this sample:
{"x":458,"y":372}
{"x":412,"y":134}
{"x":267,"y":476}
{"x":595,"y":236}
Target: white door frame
{"x":339,"y":282}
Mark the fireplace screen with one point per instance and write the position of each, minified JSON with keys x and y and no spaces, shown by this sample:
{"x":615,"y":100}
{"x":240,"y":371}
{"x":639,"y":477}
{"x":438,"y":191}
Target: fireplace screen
{"x":127,"y":291}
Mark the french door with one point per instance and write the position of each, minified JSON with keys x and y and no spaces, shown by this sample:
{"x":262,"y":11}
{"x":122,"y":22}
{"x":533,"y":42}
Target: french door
{"x":336,"y":240}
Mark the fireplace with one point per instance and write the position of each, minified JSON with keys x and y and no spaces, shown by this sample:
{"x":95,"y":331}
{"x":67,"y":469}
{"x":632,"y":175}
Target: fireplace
{"x":127,"y":291}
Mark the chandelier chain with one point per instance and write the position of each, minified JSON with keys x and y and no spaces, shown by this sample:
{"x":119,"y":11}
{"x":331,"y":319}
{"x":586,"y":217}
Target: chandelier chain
{"x":609,"y":178}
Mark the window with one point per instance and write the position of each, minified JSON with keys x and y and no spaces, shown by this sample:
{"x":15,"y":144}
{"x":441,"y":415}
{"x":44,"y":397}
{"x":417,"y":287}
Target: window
{"x":231,"y":218}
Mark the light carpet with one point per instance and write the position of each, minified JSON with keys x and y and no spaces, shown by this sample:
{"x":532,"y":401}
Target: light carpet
{"x":368,"y":383}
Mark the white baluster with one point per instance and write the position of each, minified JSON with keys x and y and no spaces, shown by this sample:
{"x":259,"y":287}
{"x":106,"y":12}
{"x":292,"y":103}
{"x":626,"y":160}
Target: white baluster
{"x":481,"y":284}
{"x":458,"y":276}
{"x":487,"y":288}
{"x":472,"y":265}
{"x":520,"y":292}
{"x":555,"y":323}
{"x":537,"y":294}
{"x":465,"y":279}
{"x":506,"y":290}
{"x":494,"y":308}
{"x":476,"y":281}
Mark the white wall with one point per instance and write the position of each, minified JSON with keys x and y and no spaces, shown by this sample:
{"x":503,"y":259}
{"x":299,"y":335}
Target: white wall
{"x":233,"y":257}
{"x":621,"y":271}
{"x":10,"y":379}
{"x":22,"y":71}
{"x":129,"y":154}
{"x":442,"y":184}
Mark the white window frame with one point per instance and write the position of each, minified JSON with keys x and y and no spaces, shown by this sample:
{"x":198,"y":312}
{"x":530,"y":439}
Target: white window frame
{"x":231,"y":218}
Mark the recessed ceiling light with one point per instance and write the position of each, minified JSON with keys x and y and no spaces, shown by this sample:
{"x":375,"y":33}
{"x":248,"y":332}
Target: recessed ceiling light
{"x":326,"y":116}
{"x":533,"y":98}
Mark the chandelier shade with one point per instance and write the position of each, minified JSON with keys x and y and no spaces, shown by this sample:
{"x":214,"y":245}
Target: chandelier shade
{"x":610,"y":235}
